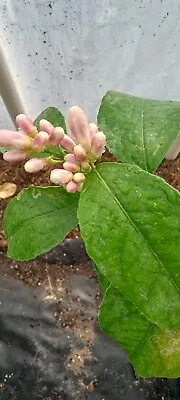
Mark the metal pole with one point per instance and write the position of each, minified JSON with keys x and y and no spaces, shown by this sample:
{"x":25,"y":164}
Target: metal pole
{"x":9,"y":90}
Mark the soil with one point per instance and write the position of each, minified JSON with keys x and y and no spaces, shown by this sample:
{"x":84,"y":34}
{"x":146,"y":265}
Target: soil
{"x":54,"y":272}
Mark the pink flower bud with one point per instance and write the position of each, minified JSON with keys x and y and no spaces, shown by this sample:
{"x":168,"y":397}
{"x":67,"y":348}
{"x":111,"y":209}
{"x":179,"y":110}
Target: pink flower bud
{"x":80,"y":186}
{"x":67,"y":143}
{"x":71,"y":167}
{"x":60,"y":176}
{"x":9,"y":138}
{"x":85,"y":166}
{"x":78,"y":125}
{"x":98,"y":144}
{"x":71,"y":158}
{"x":72,"y":187}
{"x":14,"y":156}
{"x":56,"y":136}
{"x":26,"y":124}
{"x":40,"y":141}
{"x":78,"y":177}
{"x":34,"y":165}
{"x":46,"y":126}
{"x":93,"y":129}
{"x":21,"y":141}
{"x":80,"y":153}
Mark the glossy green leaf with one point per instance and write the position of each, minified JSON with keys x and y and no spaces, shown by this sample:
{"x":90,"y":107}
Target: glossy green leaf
{"x":152,"y":351}
{"x":56,"y":118}
{"x":103,"y":282}
{"x":53,"y":115}
{"x":139,"y":131}
{"x":38,"y":219}
{"x":131,"y":231}
{"x":3,"y":150}
{"x":40,"y":155}
{"x":56,"y":152}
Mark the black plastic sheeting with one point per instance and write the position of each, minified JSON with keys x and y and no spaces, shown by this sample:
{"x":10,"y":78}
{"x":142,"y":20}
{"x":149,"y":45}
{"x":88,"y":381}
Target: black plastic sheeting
{"x":34,"y":351}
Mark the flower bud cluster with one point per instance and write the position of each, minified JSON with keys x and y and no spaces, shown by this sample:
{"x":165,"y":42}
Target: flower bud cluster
{"x":82,"y":147}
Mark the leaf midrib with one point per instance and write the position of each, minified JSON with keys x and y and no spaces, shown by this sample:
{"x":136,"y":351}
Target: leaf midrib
{"x":150,"y":329}
{"x":143,"y":137}
{"x":143,"y":341}
{"x":137,"y":229}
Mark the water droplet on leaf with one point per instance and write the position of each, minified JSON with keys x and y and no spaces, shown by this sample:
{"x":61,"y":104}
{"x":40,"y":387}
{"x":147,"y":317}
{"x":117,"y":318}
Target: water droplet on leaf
{"x":36,"y":194}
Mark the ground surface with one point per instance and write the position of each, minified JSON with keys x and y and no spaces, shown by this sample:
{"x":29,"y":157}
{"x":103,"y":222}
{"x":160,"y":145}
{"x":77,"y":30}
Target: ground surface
{"x":66,"y":287}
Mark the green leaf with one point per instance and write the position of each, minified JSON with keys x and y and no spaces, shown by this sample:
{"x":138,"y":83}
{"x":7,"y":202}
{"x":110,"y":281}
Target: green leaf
{"x":53,"y":115}
{"x":101,"y":279}
{"x":3,"y":150}
{"x":38,"y":219}
{"x":131,"y":231}
{"x":56,"y":118}
{"x":139,"y":131}
{"x":152,"y":351}
{"x":56,"y":152}
{"x":40,"y":155}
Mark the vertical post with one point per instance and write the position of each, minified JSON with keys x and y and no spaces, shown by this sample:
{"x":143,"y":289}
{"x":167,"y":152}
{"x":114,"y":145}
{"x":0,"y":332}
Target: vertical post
{"x":174,"y":150}
{"x":9,"y":90}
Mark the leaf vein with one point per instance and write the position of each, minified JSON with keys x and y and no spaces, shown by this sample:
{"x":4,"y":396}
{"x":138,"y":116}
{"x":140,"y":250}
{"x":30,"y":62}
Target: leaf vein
{"x":143,"y":341}
{"x":143,"y":136}
{"x":32,"y":218}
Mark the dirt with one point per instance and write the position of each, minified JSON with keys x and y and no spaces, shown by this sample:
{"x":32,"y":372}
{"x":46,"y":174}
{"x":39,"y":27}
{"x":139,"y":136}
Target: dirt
{"x":170,"y":172}
{"x":54,"y":279}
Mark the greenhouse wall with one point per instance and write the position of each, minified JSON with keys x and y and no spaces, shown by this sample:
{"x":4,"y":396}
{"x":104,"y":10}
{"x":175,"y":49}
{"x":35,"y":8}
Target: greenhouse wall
{"x":67,"y":52}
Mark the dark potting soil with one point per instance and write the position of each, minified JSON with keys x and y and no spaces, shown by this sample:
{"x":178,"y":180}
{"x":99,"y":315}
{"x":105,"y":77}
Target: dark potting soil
{"x":50,"y":344}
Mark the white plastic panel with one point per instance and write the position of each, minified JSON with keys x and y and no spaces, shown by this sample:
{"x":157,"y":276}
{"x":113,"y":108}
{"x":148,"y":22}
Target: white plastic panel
{"x":5,"y":120}
{"x":67,"y":52}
